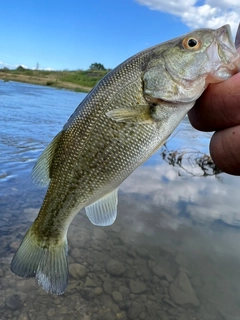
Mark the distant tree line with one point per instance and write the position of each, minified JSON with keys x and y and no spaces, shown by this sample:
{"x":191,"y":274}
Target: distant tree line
{"x":97,"y":66}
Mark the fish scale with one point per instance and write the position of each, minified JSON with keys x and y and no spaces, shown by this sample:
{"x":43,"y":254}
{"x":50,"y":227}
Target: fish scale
{"x":118,"y":126}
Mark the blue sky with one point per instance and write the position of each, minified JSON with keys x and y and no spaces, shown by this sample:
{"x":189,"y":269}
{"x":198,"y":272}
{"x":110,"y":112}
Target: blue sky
{"x":73,"y":34}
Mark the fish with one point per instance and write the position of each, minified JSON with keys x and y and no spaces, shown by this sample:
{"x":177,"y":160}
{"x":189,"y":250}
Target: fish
{"x":124,"y":119}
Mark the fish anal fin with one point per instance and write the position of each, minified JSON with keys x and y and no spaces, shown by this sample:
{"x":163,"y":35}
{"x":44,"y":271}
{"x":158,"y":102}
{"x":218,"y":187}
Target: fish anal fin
{"x":41,"y":170}
{"x":47,"y":262}
{"x":104,"y":211}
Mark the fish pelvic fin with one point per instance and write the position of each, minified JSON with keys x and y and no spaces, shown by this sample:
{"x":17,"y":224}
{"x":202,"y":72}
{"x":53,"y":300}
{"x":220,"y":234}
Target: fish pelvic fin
{"x":46,"y":261}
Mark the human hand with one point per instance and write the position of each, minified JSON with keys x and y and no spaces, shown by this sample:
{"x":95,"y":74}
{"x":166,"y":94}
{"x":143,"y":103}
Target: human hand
{"x":218,"y":109}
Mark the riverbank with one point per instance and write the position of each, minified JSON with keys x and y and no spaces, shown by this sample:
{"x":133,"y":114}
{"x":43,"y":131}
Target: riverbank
{"x":78,"y":80}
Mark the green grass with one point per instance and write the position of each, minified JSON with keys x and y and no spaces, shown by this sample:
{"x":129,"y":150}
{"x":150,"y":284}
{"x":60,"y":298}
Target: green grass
{"x":87,"y":79}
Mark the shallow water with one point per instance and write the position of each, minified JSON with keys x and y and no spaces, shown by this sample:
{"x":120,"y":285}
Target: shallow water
{"x":172,"y":254}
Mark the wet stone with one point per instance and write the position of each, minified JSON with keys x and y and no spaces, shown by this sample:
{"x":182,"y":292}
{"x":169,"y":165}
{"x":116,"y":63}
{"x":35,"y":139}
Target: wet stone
{"x":80,"y":240}
{"x":14,"y":302}
{"x":26,"y":286}
{"x":151,"y":297}
{"x":131,"y":253}
{"x":197,"y":281}
{"x":159,"y":271}
{"x":134,"y":310}
{"x":115,"y":268}
{"x":142,"y":316}
{"x":181,"y":260}
{"x":2,"y":301}
{"x":124,"y":291}
{"x":41,"y":318}
{"x":137,"y":286}
{"x":116,"y":227}
{"x":77,"y":271}
{"x":185,"y":270}
{"x":87,"y":293}
{"x":125,"y":305}
{"x":155,"y":279}
{"x":98,"y":291}
{"x":120,"y":315}
{"x":181,"y":291}
{"x":76,"y":253}
{"x":99,"y":234}
{"x":151,"y":264}
{"x":51,"y":312}
{"x":89,"y":283}
{"x":143,"y":297}
{"x":108,"y":316}
{"x":169,"y":303}
{"x":143,"y":252}
{"x":23,"y":316}
{"x":164,"y":283}
{"x":107,"y":287}
{"x":164,"y":317}
{"x":168,"y":277}
{"x":117,"y":297}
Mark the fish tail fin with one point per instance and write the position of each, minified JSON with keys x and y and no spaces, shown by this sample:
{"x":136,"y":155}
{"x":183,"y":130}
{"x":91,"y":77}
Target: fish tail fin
{"x":46,"y":261}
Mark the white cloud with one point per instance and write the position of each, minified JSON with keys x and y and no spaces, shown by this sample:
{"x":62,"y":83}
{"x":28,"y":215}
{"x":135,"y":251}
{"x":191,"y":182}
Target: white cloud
{"x":204,"y":199}
{"x":211,"y":14}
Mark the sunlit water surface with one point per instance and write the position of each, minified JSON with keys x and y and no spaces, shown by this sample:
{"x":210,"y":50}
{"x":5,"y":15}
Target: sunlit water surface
{"x":172,"y":254}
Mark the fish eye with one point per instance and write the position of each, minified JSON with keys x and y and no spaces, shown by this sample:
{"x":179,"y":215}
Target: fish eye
{"x":190,"y":43}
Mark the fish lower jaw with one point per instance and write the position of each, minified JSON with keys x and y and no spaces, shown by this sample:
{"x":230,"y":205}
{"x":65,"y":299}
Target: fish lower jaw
{"x":224,"y":71}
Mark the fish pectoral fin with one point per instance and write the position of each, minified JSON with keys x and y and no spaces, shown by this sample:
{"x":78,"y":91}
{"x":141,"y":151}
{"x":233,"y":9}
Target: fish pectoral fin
{"x":138,"y":114}
{"x":41,"y":170}
{"x":104,"y":211}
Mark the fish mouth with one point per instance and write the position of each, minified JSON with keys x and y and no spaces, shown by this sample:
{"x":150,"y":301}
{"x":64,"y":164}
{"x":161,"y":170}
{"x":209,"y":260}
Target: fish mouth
{"x":224,"y":54}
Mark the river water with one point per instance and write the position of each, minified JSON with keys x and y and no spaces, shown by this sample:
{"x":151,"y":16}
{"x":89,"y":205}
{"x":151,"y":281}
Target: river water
{"x":173,"y":252}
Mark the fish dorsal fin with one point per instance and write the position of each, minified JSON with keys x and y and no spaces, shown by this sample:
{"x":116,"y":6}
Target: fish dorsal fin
{"x":41,"y":170}
{"x":104,"y":211}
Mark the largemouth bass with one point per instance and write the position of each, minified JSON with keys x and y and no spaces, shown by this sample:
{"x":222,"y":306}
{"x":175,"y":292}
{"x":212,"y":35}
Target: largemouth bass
{"x":119,"y":125}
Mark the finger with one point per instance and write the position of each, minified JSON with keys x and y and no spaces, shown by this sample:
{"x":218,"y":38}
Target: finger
{"x":218,"y":107}
{"x":225,"y":150}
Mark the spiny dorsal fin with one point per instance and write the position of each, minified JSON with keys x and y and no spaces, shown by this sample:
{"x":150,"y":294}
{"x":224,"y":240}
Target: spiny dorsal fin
{"x":104,"y":211}
{"x":41,"y":170}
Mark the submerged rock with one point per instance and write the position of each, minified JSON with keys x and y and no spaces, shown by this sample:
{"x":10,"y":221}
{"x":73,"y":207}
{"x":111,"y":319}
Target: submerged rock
{"x":90,"y":283}
{"x":117,"y":297}
{"x":77,"y":271}
{"x":87,"y":293}
{"x":14,"y":301}
{"x":115,"y":268}
{"x":181,"y":291}
{"x":107,"y":287}
{"x":159,"y":271}
{"x":137,"y":286}
{"x":134,"y":310}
